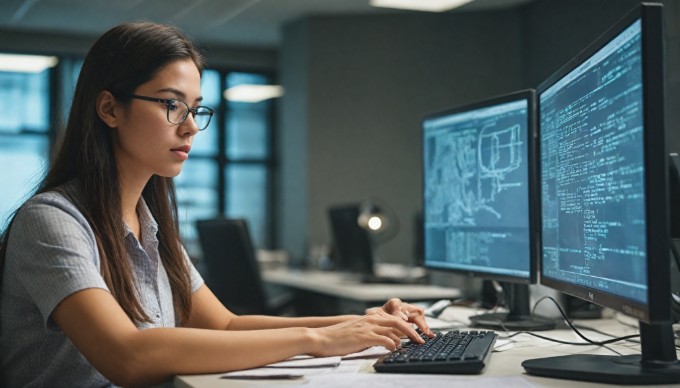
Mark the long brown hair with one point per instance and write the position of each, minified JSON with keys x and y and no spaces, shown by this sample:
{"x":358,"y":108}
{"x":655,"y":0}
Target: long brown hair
{"x":123,"y":58}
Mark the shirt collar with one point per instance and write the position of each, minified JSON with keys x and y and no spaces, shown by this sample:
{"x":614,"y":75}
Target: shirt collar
{"x":147,"y":222}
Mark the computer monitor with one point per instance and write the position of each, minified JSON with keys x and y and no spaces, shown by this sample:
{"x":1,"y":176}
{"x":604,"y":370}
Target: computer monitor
{"x":478,"y":177}
{"x":352,"y":245}
{"x":604,"y":201}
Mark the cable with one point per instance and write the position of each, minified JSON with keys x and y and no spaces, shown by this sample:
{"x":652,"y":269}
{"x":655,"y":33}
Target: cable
{"x":573,"y":327}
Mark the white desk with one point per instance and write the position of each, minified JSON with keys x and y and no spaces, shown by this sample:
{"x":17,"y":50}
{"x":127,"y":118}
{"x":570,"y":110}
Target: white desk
{"x":331,"y":293}
{"x":504,"y":368}
{"x":341,"y":285}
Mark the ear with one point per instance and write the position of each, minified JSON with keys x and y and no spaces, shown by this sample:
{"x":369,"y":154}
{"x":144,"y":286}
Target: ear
{"x":107,"y":109}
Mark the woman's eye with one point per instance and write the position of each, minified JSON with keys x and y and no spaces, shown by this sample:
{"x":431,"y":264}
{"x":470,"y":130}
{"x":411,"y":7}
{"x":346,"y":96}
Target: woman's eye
{"x":172,"y":106}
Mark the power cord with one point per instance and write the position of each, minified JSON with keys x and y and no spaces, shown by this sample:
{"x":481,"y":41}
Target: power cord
{"x":573,"y":327}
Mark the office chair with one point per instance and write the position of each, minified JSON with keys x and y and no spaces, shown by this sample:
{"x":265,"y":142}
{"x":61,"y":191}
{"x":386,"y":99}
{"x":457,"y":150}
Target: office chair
{"x":233,"y":273}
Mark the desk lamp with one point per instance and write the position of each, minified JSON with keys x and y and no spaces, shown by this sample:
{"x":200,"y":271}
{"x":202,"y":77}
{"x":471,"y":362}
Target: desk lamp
{"x":379,"y":220}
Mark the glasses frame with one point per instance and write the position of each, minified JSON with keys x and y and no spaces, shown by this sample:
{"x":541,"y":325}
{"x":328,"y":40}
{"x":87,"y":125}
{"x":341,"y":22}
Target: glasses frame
{"x":170,"y":103}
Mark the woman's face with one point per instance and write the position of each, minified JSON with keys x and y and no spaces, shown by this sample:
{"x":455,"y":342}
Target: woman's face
{"x":146,"y":143}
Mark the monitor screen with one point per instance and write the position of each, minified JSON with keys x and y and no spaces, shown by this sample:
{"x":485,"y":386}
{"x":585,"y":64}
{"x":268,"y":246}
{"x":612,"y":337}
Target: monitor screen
{"x":592,"y":166}
{"x":477,"y":187}
{"x":604,"y":203}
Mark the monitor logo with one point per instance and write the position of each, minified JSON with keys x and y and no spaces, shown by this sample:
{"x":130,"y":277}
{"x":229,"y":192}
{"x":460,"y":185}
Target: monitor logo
{"x":591,"y":296}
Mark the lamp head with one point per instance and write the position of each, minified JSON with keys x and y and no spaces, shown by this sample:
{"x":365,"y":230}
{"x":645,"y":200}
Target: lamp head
{"x":374,"y":219}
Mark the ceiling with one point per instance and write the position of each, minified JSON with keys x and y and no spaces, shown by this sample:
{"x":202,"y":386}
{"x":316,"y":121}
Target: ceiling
{"x":229,"y":22}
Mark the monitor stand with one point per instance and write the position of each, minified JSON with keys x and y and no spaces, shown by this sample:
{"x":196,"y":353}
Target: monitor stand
{"x":657,"y":364}
{"x":518,"y":318}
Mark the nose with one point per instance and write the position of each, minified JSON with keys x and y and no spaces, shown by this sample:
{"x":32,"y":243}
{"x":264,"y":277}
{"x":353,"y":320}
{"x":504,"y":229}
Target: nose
{"x":188,"y":127}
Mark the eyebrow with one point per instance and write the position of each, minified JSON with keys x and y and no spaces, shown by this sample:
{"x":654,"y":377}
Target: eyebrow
{"x":179,"y":94}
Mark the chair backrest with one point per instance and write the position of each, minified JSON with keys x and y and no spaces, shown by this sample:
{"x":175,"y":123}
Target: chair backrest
{"x":233,"y":273}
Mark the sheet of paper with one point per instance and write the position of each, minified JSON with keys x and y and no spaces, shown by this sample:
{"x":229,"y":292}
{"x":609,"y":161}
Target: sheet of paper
{"x":293,"y":368}
{"x":372,"y":352}
{"x":305,"y":361}
{"x":275,"y":373}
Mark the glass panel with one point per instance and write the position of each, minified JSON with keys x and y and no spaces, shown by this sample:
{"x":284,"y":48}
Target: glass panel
{"x":70,"y":70}
{"x":24,"y":161}
{"x":210,"y":88}
{"x":196,"y":199}
{"x":246,"y":197}
{"x":247,"y":123}
{"x":205,"y":142}
{"x":25,"y":101}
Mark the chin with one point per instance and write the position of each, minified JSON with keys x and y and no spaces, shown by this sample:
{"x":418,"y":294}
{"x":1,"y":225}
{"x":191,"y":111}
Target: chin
{"x":170,"y":173}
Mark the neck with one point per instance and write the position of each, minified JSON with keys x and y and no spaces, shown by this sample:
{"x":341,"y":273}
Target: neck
{"x":131,"y":187}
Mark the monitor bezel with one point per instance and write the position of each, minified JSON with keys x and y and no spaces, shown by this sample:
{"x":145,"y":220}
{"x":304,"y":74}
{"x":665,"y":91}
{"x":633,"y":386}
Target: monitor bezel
{"x":656,"y":169}
{"x":530,"y":96}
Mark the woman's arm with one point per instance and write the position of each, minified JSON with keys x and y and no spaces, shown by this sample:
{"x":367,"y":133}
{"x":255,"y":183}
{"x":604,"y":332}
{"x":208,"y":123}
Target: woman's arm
{"x":207,"y":312}
{"x":99,"y":328}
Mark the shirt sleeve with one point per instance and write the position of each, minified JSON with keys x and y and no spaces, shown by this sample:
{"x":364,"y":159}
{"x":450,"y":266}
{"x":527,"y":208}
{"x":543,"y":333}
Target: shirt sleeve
{"x":196,"y":278}
{"x":53,"y":252}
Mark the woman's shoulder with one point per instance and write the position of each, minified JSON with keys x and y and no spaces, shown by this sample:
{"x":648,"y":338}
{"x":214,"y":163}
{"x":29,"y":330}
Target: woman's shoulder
{"x":54,"y":204}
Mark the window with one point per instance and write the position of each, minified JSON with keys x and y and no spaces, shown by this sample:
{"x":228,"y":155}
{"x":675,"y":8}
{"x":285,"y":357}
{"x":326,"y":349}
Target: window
{"x":24,"y":136}
{"x":230,"y":170}
{"x":228,"y":174}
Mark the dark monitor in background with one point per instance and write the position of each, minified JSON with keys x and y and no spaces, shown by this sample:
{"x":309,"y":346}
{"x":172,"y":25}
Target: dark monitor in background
{"x":357,"y":230}
{"x":418,"y":246}
{"x":478,"y":177}
{"x":352,"y":246}
{"x":604,"y":201}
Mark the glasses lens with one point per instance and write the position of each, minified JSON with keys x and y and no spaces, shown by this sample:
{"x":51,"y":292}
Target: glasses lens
{"x":202,"y":117}
{"x":177,"y":111}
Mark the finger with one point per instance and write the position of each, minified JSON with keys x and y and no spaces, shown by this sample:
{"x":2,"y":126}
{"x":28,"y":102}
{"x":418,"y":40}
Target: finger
{"x":395,"y":307}
{"x":392,"y":334}
{"x":387,"y":342}
{"x":412,"y":309}
{"x":401,"y":325}
{"x":417,"y":316}
{"x":421,"y":323}
{"x":401,"y":314}
{"x":372,"y":310}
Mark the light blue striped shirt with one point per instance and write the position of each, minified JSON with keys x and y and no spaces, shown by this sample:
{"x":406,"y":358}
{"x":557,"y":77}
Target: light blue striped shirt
{"x":52,"y":253}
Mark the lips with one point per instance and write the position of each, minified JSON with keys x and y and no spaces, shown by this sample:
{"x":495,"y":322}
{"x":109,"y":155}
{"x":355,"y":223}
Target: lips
{"x":182,"y":152}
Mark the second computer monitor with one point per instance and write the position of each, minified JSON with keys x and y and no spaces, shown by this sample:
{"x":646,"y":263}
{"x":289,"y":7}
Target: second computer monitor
{"x":478,"y":193}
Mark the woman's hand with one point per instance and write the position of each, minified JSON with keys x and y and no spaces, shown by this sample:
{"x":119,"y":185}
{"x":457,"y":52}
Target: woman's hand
{"x":378,"y":328}
{"x":406,"y":312}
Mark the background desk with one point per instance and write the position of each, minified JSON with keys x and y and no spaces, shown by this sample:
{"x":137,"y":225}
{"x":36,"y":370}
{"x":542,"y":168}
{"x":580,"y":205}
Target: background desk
{"x":504,"y":368}
{"x":331,"y":293}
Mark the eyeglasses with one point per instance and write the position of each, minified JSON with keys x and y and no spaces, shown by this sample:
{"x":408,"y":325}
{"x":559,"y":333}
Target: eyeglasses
{"x":178,"y":111}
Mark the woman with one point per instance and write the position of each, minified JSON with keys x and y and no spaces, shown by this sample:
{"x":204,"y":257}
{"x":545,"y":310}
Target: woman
{"x":95,"y":256}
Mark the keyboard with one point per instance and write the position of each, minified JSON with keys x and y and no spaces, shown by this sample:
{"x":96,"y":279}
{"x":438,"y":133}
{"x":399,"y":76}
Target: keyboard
{"x":454,"y":352}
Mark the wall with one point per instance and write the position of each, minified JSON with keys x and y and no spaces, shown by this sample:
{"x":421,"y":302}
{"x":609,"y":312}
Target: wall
{"x":369,"y":80}
{"x":292,"y":182}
